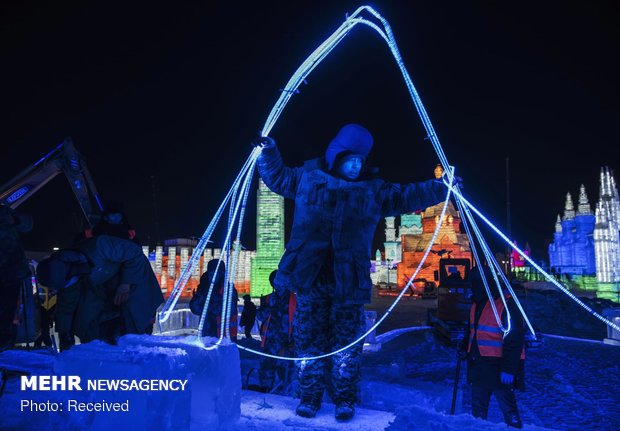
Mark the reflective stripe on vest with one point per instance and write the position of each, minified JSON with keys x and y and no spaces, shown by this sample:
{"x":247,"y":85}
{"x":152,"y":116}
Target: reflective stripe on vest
{"x":489,"y":337}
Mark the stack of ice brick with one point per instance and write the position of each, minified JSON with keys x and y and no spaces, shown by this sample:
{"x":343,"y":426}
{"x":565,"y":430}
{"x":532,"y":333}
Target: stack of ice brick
{"x":211,"y":399}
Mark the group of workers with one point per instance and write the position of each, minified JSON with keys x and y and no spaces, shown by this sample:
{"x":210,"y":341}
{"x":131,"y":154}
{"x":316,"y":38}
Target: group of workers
{"x":106,"y":287}
{"x":102,"y":285}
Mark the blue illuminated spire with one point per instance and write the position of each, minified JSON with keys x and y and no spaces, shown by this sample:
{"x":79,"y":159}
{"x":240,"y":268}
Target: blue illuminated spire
{"x":584,"y":204}
{"x":569,"y":209}
{"x":558,"y":225}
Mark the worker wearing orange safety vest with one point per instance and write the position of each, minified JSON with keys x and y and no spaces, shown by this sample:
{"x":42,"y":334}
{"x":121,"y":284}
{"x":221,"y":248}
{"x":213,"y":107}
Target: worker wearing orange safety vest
{"x":494,"y":360}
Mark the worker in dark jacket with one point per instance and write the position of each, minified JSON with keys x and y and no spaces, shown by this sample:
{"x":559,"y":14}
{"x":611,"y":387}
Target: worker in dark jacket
{"x":338,"y":204}
{"x":248,"y":316}
{"x":14,"y":269}
{"x":213,"y":319}
{"x":277,"y":336}
{"x":494,"y":360}
{"x":106,"y":288}
{"x":114,"y":223}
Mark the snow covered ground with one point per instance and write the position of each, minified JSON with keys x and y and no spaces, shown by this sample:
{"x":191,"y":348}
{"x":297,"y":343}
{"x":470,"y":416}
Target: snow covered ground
{"x":570,"y":385}
{"x":407,"y":385}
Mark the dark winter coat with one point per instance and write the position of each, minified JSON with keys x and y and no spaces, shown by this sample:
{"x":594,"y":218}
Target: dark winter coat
{"x":211,"y":326}
{"x":13,"y":263}
{"x":277,"y":321}
{"x":248,"y":315}
{"x":485,"y":371}
{"x":112,"y":261}
{"x":336,"y":216}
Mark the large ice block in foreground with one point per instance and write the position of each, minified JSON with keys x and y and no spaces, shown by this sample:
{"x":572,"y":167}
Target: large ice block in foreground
{"x":210,"y":399}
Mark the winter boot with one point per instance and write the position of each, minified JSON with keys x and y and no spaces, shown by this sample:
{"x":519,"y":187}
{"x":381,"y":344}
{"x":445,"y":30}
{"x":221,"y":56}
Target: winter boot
{"x":344,"y":410}
{"x":308,"y":406}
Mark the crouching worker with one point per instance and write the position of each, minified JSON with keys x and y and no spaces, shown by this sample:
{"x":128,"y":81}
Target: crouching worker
{"x":215,"y":274}
{"x":494,"y":361}
{"x":106,"y":288}
{"x":338,"y":204}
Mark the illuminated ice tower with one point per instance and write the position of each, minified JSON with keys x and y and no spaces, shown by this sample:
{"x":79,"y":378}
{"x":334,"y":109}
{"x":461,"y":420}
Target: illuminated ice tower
{"x":606,"y":238}
{"x":572,"y":250}
{"x":392,"y":246}
{"x":269,"y":239}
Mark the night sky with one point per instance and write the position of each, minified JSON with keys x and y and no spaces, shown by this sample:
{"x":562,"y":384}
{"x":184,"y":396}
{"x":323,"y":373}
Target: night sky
{"x":163,"y":100}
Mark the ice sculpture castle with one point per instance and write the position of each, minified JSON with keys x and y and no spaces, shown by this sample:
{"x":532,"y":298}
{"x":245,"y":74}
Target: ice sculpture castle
{"x":586,"y":243}
{"x":572,"y":250}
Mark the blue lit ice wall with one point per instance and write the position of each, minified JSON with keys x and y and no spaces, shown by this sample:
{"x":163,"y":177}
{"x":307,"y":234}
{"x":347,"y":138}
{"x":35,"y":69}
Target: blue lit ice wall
{"x":572,"y":250}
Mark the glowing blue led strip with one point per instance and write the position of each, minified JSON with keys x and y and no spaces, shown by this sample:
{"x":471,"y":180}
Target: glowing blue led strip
{"x":385,"y":315}
{"x":201,"y":246}
{"x":299,"y":77}
{"x":467,"y":215}
{"x":459,"y":196}
{"x":176,"y":292}
{"x":225,"y":313}
{"x":230,"y":269}
{"x":164,"y":314}
{"x":466,"y":209}
{"x":478,"y":261}
{"x":208,"y":299}
{"x":321,"y":52}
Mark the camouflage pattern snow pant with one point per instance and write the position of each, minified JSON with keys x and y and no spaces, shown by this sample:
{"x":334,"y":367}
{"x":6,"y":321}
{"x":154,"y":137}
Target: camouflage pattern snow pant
{"x":322,"y":325}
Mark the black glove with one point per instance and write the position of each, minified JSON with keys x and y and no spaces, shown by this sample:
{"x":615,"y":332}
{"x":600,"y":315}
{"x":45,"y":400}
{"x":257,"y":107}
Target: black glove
{"x":264,"y":142}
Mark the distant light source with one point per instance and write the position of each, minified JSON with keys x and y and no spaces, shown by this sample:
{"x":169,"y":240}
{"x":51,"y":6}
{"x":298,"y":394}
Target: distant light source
{"x":55,"y":248}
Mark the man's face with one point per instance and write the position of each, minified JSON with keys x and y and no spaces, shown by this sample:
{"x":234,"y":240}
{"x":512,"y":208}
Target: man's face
{"x":113,"y":218}
{"x":350,"y":167}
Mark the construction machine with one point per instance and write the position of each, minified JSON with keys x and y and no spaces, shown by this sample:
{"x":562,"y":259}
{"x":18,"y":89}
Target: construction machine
{"x":63,"y":159}
{"x":449,"y":320}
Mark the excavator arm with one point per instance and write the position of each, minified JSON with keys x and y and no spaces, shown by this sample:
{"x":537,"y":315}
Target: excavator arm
{"x":62,"y":159}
